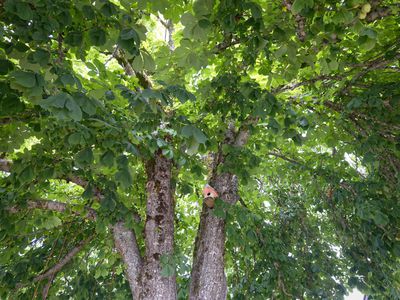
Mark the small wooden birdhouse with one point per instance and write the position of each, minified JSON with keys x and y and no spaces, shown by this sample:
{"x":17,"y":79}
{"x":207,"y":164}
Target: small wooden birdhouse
{"x":209,"y":194}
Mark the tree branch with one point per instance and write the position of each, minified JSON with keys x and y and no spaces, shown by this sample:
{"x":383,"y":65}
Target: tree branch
{"x":285,"y":158}
{"x":367,"y":66}
{"x":300,"y":22}
{"x":5,"y":165}
{"x":124,"y":238}
{"x":126,"y":244}
{"x":67,"y":258}
{"x":144,"y":80}
{"x":294,"y":85}
{"x":46,"y":288}
{"x":53,"y":206}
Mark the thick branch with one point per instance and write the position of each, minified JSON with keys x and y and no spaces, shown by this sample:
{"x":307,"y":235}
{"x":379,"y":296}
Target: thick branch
{"x":144,"y":80}
{"x":54,"y":206}
{"x":5,"y":165}
{"x":125,"y":242}
{"x":208,"y":280}
{"x":124,"y":239}
{"x":300,"y":22}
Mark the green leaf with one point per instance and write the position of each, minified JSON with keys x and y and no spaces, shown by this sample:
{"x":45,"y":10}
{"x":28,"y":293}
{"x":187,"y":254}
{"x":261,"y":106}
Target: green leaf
{"x":74,"y":38}
{"x":203,"y":7}
{"x":5,"y":66}
{"x":219,"y":210}
{"x":108,"y":9}
{"x":57,"y":101}
{"x":168,"y":153}
{"x":11,"y":104}
{"x":380,"y":218}
{"x":130,"y":33}
{"x":124,"y":178}
{"x":51,"y":222}
{"x":26,"y":175}
{"x":138,"y":63}
{"x":109,"y":203}
{"x":107,"y":159}
{"x":63,"y":106}
{"x":88,"y":12}
{"x":24,"y":11}
{"x":88,"y":192}
{"x":76,"y":139}
{"x":167,"y":262}
{"x":25,"y":79}
{"x":290,"y":133}
{"x":299,"y":5}
{"x":67,"y":79}
{"x":193,"y":146}
{"x":75,"y":112}
{"x":84,"y":157}
{"x":189,"y":131}
{"x":97,"y":36}
{"x":180,"y":93}
{"x":148,"y":62}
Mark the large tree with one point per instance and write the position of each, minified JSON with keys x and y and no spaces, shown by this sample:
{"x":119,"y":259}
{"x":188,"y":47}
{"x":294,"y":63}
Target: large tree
{"x":115,"y":114}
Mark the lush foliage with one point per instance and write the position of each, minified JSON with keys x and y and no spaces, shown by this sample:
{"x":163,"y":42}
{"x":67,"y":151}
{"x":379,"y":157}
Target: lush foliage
{"x":319,"y":177}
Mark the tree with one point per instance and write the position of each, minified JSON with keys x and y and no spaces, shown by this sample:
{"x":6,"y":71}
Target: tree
{"x":115,"y":114}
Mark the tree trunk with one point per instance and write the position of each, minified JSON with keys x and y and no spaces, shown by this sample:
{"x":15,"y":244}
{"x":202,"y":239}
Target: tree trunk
{"x":208,"y":280}
{"x":125,"y":242}
{"x":159,"y":230}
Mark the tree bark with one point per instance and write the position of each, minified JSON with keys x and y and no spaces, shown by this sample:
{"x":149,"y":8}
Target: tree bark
{"x":159,"y":230}
{"x":208,"y":280}
{"x":125,"y":242}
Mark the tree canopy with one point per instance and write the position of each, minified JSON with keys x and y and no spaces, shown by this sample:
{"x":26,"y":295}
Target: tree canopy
{"x":114,"y":115}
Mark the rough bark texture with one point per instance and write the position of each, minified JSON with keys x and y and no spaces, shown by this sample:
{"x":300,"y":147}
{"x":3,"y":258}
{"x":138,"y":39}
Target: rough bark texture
{"x":208,"y":279}
{"x":55,"y":206}
{"x":126,"y":244}
{"x":159,"y":230}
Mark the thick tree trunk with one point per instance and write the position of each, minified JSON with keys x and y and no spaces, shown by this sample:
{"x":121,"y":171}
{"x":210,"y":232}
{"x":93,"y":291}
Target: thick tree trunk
{"x":208,"y":279}
{"x":125,"y":242}
{"x":159,"y":230}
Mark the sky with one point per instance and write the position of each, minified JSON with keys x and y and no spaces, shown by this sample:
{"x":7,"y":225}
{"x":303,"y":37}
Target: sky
{"x":355,"y":295}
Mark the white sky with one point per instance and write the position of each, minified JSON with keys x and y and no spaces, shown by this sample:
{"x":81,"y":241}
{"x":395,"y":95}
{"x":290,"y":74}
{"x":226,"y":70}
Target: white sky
{"x":355,"y":295}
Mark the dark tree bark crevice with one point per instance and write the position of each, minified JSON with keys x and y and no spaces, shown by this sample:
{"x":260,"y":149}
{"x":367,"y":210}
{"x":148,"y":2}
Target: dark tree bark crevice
{"x":159,"y":230}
